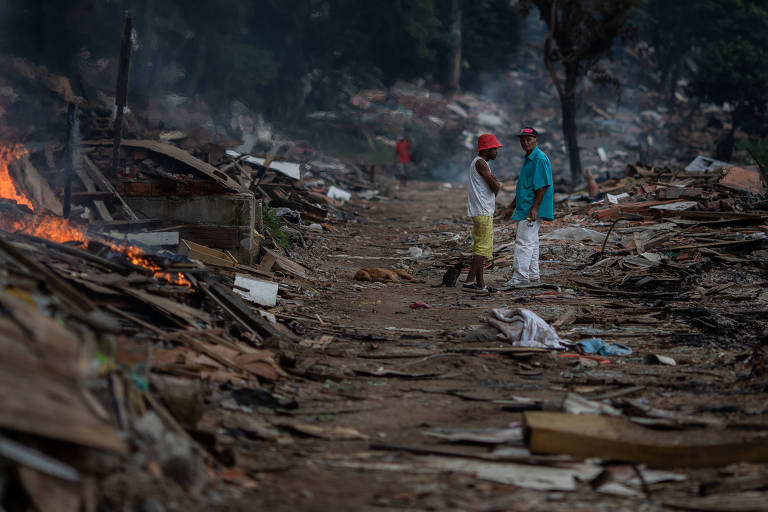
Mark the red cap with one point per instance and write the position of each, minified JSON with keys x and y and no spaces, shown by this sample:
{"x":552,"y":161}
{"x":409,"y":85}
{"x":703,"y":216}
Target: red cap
{"x":487,"y":141}
{"x":528,"y":131}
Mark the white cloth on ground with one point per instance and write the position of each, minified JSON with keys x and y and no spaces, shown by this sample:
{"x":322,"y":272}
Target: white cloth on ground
{"x":480,"y":198}
{"x":524,"y":328}
{"x":526,"y":263}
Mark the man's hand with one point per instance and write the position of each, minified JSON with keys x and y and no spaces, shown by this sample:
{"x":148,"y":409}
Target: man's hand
{"x":508,"y":212}
{"x":533,"y":214}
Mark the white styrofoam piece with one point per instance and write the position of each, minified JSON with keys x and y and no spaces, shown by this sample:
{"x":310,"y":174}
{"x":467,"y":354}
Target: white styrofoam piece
{"x":259,"y":291}
{"x":337,"y":193}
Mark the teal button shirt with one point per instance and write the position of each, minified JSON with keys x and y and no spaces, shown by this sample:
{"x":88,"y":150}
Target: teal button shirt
{"x":535,"y":173}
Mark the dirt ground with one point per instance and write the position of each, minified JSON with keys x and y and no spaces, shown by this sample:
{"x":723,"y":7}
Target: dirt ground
{"x":367,"y":419}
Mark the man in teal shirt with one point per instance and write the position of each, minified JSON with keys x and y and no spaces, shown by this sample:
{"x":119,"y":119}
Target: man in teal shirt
{"x":533,"y":202}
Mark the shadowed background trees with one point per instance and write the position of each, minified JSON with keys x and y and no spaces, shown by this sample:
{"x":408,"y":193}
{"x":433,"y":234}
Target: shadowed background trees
{"x":288,"y":58}
{"x":580,"y":33}
{"x":720,"y":49}
{"x":279,"y":57}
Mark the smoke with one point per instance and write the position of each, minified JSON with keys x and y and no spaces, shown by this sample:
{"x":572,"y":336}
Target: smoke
{"x":613,"y":130}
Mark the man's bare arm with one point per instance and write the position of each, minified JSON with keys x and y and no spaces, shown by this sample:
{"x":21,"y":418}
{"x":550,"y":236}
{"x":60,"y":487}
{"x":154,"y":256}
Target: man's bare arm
{"x":483,"y":170}
{"x":509,"y":210}
{"x":533,"y":214}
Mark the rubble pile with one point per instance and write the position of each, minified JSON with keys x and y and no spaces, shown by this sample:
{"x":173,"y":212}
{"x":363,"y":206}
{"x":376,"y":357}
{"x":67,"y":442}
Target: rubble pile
{"x":140,"y":332}
{"x":682,"y":236}
{"x":192,"y":331}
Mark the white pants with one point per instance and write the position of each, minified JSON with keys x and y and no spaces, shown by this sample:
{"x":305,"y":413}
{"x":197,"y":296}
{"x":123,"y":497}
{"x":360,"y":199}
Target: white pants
{"x":526,"y":264}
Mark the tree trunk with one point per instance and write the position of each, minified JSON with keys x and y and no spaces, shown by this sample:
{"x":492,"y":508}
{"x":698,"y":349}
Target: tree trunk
{"x":198,"y":70}
{"x":454,"y":76}
{"x":724,"y":146}
{"x":568,"y":105}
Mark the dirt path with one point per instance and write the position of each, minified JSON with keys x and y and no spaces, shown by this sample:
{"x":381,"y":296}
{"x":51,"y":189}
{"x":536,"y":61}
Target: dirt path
{"x":385,"y":375}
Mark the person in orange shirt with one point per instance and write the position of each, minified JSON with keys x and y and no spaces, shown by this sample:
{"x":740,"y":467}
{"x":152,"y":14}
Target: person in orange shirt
{"x":403,"y":158}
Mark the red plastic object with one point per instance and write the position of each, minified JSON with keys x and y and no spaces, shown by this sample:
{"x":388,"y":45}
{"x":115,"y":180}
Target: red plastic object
{"x":600,"y":360}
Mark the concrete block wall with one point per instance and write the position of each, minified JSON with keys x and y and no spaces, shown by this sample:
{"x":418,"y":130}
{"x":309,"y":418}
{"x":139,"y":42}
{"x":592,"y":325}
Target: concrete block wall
{"x":238,"y":210}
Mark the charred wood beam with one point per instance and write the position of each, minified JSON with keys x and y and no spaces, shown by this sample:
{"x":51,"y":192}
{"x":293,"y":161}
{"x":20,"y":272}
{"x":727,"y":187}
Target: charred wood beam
{"x":240,"y":311}
{"x":121,"y":268}
{"x":71,"y":141}
{"x":121,"y":91}
{"x":74,"y":299}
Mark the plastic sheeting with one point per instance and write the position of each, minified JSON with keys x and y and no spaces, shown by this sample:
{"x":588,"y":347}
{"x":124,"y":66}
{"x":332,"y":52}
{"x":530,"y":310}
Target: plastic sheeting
{"x":598,"y":346}
{"x":524,"y":328}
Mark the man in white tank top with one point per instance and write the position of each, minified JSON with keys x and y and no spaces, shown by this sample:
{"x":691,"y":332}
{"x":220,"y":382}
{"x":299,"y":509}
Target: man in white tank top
{"x":482,"y":187}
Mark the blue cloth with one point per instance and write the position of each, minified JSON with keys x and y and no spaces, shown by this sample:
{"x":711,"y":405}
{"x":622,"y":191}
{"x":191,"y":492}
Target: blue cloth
{"x":535,"y":173}
{"x":599,"y":347}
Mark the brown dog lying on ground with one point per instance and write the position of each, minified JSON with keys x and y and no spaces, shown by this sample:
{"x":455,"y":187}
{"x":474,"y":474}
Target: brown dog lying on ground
{"x":383,"y":275}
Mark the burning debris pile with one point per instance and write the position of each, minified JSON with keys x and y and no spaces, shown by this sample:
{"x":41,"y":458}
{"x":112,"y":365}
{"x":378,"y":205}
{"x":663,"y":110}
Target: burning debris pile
{"x":94,"y":327}
{"x":141,"y":328}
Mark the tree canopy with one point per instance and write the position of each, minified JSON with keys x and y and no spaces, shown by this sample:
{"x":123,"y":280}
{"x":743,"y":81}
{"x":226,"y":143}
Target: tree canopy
{"x":281,"y":57}
{"x":581,"y":32}
{"x":728,"y":42}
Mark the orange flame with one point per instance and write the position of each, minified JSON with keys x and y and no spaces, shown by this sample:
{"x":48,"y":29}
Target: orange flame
{"x":8,"y":187}
{"x":138,"y":258}
{"x":42,"y":225}
{"x":49,"y":227}
{"x":59,"y":229}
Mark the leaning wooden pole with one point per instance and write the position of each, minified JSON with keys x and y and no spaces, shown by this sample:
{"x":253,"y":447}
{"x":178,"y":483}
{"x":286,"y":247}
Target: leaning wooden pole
{"x":71,"y":141}
{"x":121,"y":91}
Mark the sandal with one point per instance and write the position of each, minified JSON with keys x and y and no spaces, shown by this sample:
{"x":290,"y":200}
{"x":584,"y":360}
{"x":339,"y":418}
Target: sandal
{"x":474,"y":288}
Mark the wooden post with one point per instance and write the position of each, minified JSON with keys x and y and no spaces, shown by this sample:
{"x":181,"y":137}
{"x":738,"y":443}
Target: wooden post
{"x":121,"y":91}
{"x":70,"y":164}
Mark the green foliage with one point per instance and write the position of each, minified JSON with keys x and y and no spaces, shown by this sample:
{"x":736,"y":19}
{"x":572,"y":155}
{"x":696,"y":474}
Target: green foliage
{"x":728,"y":40}
{"x":280,"y":57}
{"x":758,"y":147}
{"x":580,"y":34}
{"x":733,"y":62}
{"x":671,"y":29}
{"x":273,"y":224}
{"x":490,"y":36}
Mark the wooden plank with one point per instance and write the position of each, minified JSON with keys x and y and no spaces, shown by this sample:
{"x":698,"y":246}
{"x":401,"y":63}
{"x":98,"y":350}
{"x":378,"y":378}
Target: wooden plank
{"x":617,"y":438}
{"x":76,"y":300}
{"x":753,"y":241}
{"x":122,"y":268}
{"x":284,"y":264}
{"x":35,"y":185}
{"x":190,"y":315}
{"x":40,"y":384}
{"x":182,"y":156}
{"x":106,"y":185}
{"x":121,"y":89}
{"x":267,"y":261}
{"x":208,"y":255}
{"x":48,"y":492}
{"x":240,"y":311}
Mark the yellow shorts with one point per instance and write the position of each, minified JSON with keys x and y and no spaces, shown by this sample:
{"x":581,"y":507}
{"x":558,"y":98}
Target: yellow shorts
{"x":482,"y":234}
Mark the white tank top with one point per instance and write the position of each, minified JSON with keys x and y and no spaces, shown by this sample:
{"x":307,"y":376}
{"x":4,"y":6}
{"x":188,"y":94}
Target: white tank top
{"x":480,"y":197}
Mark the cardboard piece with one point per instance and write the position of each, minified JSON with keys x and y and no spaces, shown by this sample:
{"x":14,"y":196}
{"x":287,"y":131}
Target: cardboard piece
{"x":617,"y":438}
{"x":208,"y":255}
